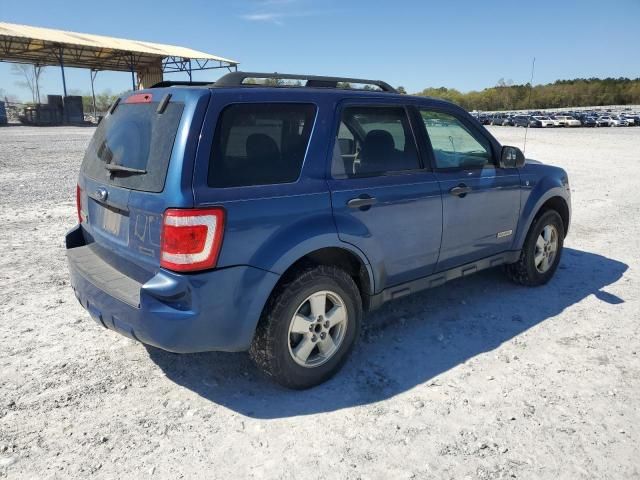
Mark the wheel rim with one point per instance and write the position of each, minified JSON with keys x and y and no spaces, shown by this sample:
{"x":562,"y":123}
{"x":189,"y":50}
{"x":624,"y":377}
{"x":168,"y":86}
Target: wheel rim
{"x":546,"y":248}
{"x":317,"y":329}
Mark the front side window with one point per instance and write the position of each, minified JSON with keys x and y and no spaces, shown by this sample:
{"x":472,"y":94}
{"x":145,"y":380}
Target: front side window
{"x":260,"y":144}
{"x":454,"y":145}
{"x":374,"y":141}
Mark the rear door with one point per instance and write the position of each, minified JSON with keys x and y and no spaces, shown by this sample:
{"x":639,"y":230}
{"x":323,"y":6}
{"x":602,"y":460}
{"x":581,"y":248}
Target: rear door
{"x":481,"y":202}
{"x":131,"y":173}
{"x":385,"y":202}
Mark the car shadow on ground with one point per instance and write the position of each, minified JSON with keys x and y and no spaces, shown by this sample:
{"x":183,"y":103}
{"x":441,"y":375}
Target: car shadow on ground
{"x":405,"y":343}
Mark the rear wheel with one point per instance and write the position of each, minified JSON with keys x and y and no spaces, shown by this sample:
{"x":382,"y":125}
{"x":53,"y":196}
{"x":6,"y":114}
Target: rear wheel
{"x":308,"y":328}
{"x":541,"y":252}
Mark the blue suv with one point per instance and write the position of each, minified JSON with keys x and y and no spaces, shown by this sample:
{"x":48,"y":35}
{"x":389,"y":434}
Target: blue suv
{"x":257,"y":215}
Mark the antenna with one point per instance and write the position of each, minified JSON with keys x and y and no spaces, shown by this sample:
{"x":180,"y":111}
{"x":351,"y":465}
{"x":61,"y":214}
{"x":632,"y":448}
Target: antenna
{"x":526,"y":131}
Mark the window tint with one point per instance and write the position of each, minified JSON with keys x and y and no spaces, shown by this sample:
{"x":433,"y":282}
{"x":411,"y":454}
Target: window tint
{"x":260,"y":144}
{"x":374,"y":141}
{"x":454,"y":146}
{"x":134,"y":136}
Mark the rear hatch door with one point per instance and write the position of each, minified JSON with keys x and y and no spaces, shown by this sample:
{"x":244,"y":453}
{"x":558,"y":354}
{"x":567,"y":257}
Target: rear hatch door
{"x":139,"y":162}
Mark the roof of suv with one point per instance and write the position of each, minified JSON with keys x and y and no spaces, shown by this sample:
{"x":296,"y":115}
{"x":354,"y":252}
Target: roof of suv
{"x":314,"y":85}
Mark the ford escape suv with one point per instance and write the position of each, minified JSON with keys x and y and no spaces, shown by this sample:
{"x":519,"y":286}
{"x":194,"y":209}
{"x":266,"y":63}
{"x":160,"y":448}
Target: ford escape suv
{"x":238,"y":216}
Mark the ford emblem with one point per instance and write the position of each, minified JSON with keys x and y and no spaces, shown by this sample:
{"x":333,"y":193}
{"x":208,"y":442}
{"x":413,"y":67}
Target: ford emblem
{"x":102,"y":194}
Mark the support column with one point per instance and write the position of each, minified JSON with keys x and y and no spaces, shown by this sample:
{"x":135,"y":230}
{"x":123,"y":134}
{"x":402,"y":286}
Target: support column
{"x":93,"y":74}
{"x":133,"y":73}
{"x":64,"y":80}
{"x":133,"y":79}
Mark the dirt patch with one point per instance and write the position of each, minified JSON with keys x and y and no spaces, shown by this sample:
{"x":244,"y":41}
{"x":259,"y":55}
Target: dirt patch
{"x":476,"y":379}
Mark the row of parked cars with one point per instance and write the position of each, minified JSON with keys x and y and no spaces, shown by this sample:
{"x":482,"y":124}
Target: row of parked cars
{"x":566,"y":119}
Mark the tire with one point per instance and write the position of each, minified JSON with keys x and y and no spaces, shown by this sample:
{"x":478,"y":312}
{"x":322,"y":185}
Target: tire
{"x":529,"y":270}
{"x":279,"y":347}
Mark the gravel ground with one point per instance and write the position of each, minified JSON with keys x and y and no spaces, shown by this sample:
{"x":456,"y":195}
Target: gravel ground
{"x":476,"y":379}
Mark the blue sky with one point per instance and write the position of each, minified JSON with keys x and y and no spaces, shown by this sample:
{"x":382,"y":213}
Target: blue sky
{"x":467,"y":45}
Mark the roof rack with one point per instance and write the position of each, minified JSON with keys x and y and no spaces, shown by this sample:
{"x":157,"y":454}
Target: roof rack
{"x":235,"y":79}
{"x":171,"y":83}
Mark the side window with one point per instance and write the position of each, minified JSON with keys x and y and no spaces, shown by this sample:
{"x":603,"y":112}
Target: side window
{"x":373,"y":141}
{"x":260,"y":144}
{"x":454,"y":145}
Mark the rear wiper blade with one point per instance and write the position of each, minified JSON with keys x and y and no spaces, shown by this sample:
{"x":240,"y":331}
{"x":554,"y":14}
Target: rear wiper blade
{"x":112,"y":167}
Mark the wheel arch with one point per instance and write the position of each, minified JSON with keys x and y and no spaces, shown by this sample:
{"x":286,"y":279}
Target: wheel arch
{"x":344,"y":256}
{"x":553,"y":199}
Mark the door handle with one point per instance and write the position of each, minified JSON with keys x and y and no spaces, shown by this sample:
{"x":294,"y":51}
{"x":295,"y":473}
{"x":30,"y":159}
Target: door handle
{"x":460,"y":191}
{"x":360,"y":202}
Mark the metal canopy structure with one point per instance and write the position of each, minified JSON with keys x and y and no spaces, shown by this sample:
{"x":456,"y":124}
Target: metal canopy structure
{"x":45,"y":46}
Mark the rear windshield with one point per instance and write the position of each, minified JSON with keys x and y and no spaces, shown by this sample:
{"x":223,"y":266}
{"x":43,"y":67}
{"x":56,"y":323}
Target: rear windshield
{"x":260,"y":144}
{"x":135,"y":137}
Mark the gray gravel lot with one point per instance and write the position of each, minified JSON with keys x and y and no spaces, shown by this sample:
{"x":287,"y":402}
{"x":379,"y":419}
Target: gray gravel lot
{"x":476,"y":379}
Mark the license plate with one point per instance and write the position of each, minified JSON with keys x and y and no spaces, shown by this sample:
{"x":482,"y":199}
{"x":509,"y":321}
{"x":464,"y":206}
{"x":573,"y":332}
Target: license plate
{"x":111,"y":221}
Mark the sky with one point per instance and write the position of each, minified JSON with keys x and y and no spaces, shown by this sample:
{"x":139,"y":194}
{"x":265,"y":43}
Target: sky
{"x":462,"y":44}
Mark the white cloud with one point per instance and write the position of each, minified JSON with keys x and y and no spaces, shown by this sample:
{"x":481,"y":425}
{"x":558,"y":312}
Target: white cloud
{"x":276,"y":11}
{"x":264,"y":17}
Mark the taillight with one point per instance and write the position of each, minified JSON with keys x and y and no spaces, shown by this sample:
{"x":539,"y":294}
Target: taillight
{"x":191,"y":238}
{"x":139,"y":98}
{"x":79,"y":202}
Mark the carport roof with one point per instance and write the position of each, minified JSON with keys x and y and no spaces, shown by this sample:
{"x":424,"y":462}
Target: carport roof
{"x":46,"y":46}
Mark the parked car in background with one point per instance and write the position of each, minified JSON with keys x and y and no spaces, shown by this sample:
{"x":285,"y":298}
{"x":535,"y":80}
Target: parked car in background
{"x":210,"y":218}
{"x":502,"y":120}
{"x":544,"y":121}
{"x":567,"y":121}
{"x":522,"y":121}
{"x":604,"y":121}
{"x":619,"y":121}
{"x":588,"y":121}
{"x":631,"y":120}
{"x":496,"y":119}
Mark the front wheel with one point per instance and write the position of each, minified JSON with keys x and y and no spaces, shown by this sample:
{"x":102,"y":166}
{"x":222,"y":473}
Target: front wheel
{"x":541,"y":252}
{"x":308,"y":328}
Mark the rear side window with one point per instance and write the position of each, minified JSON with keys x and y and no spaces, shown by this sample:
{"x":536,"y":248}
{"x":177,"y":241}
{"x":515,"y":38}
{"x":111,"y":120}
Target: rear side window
{"x":260,"y":144}
{"x":374,"y":141}
{"x":132,"y":146}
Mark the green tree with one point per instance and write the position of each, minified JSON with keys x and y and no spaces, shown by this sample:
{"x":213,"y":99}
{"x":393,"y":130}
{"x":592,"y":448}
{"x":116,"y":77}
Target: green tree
{"x":579,"y":92}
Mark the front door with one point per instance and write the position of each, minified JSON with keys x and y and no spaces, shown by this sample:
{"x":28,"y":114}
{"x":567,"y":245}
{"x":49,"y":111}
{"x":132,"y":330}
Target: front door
{"x":481,"y":202}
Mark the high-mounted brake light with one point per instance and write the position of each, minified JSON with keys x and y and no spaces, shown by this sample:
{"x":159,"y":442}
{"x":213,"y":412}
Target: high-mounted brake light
{"x":191,"y":238}
{"x":139,"y":98}
{"x":79,"y":202}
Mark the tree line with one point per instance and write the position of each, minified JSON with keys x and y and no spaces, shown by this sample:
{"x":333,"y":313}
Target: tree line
{"x":579,"y":92}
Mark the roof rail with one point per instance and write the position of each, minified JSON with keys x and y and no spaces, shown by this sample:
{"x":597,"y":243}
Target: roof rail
{"x":235,"y":79}
{"x":171,"y":83}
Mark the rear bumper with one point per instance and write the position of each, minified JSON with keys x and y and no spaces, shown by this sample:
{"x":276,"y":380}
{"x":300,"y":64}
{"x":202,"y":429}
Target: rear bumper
{"x":214,"y":310}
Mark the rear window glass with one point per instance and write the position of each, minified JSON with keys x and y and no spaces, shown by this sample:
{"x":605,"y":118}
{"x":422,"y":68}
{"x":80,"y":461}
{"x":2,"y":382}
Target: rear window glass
{"x":134,"y":137}
{"x":260,"y":144}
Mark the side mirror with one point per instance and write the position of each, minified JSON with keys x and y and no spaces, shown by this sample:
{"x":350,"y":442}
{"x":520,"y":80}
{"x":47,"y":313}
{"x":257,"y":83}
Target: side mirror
{"x":511,"y":157}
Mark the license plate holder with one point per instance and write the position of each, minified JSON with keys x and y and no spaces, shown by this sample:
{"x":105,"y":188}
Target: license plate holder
{"x":111,"y":221}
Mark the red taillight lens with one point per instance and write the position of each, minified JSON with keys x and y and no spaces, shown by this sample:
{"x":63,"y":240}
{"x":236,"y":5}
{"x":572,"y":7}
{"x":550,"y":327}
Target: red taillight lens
{"x":191,"y":238}
{"x":79,"y":202}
